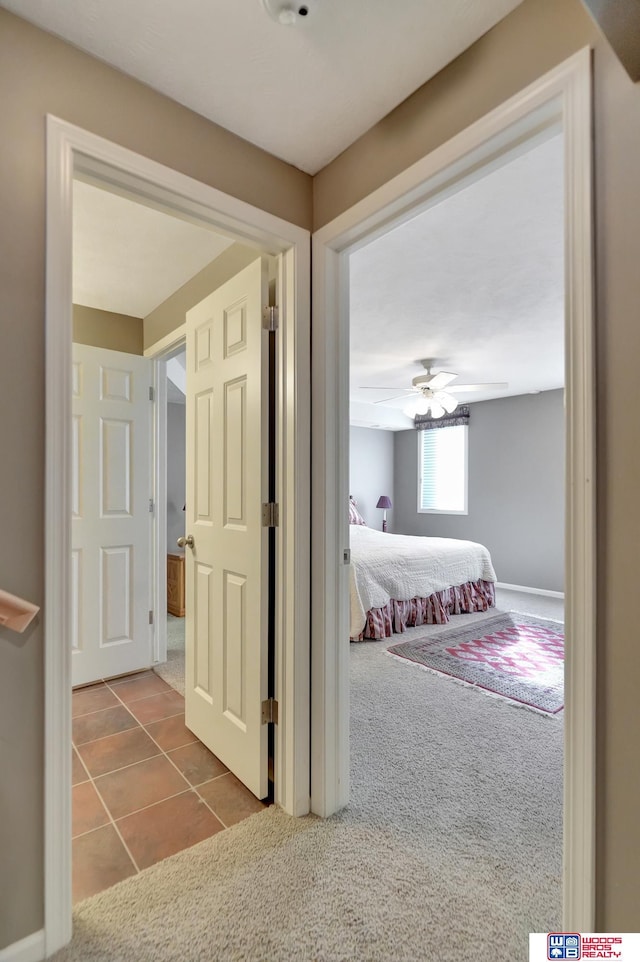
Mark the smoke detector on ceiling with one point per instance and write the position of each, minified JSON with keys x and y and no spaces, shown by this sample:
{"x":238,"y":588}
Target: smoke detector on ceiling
{"x":288,"y":12}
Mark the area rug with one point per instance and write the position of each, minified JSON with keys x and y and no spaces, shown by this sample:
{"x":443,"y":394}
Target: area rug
{"x":509,"y":655}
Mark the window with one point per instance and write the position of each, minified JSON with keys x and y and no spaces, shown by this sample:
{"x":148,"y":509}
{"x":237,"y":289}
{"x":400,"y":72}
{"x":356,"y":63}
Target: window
{"x":442,"y":470}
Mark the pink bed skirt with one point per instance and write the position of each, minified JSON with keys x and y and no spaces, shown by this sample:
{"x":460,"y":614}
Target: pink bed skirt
{"x":397,"y":616}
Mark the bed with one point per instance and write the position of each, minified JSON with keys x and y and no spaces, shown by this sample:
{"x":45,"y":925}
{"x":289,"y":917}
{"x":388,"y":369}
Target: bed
{"x":399,"y":581}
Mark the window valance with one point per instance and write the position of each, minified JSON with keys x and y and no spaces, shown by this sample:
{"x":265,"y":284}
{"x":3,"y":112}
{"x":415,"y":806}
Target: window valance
{"x":461,"y":416}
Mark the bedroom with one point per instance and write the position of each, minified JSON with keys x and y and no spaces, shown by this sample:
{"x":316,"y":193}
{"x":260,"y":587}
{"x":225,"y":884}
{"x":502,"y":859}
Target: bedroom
{"x":475,"y":286}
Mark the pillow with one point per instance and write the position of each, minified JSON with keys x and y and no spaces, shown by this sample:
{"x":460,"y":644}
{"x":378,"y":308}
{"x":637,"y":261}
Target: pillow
{"x":354,"y":515}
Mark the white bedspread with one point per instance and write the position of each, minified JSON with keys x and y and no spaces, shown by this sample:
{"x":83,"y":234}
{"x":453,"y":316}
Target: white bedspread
{"x":385,"y":566}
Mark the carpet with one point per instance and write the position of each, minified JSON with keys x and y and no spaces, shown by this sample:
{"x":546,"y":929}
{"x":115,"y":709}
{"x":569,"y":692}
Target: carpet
{"x":450,"y":849}
{"x":172,"y":670}
{"x":513,"y":656}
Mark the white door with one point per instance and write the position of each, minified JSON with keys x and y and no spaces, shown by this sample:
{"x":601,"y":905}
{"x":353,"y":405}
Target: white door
{"x":227,"y":567}
{"x":111,"y":526}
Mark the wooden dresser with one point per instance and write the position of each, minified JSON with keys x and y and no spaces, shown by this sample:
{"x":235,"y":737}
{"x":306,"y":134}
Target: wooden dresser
{"x":175,"y":584}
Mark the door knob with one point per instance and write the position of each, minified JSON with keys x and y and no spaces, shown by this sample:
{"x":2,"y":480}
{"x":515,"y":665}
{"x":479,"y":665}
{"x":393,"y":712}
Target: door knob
{"x":188,"y":541}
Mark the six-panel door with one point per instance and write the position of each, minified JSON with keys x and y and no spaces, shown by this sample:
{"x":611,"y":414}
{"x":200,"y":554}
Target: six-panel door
{"x":226,"y":570}
{"x":111,"y":523}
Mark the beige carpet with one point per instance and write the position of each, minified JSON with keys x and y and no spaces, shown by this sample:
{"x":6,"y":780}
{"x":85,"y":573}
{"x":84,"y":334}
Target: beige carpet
{"x":449,"y":851}
{"x":172,"y":670}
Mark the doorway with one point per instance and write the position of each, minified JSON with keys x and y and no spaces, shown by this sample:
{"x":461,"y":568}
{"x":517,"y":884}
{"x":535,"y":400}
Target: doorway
{"x":73,"y":152}
{"x":473,"y":491}
{"x":172,"y":671}
{"x":145,"y":786}
{"x":561,"y":96}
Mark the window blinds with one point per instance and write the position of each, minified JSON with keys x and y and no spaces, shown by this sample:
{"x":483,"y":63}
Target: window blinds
{"x":443,"y":470}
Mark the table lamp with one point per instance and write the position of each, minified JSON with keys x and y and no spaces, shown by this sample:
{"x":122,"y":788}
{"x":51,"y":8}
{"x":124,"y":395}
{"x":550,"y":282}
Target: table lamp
{"x":384,"y":502}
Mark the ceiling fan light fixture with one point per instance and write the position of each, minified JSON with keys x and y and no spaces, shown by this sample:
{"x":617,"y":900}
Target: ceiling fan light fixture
{"x":431,"y":392}
{"x":427,"y":405}
{"x":419,"y":405}
{"x":448,"y":402}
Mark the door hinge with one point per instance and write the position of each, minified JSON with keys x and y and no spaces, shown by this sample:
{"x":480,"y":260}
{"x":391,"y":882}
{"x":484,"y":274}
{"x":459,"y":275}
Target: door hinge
{"x":151,"y":506}
{"x":152,"y":394}
{"x":270,"y":712}
{"x":270,"y":318}
{"x":346,"y":556}
{"x":151,"y":617}
{"x":270,"y":515}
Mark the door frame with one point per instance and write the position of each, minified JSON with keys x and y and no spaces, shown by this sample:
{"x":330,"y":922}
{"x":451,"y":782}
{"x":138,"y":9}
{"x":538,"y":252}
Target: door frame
{"x":72,"y":151}
{"x":160,"y":352}
{"x":564,"y":94}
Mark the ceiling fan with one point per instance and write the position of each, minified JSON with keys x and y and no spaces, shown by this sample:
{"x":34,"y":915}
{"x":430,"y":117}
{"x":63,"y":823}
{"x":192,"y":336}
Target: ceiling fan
{"x":432,"y":398}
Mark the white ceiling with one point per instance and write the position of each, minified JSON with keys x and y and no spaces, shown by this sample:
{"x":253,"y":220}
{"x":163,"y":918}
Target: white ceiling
{"x":303,"y":93}
{"x":476,"y":283}
{"x":128,"y":258}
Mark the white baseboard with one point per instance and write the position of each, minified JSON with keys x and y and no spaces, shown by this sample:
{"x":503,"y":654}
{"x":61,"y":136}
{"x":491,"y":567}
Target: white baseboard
{"x":30,"y":949}
{"x":531,"y":591}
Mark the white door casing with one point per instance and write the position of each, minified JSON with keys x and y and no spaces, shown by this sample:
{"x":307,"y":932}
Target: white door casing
{"x":111,"y":522}
{"x":227,"y":567}
{"x":563,"y":94}
{"x":72,"y":151}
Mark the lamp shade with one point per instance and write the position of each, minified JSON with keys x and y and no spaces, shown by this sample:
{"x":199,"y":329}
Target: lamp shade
{"x":435,"y":405}
{"x":384,"y":501}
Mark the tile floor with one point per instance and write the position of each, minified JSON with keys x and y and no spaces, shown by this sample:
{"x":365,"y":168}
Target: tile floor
{"x":144,"y":787}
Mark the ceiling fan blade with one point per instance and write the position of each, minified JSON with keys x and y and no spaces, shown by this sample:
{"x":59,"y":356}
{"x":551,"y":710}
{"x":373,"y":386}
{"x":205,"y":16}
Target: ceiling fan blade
{"x":447,"y":400}
{"x":370,"y":387}
{"x":394,"y":398}
{"x":440,"y":380}
{"x":489,"y":386}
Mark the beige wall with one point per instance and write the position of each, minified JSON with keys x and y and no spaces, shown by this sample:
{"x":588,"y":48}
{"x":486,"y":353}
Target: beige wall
{"x":38,"y":75}
{"x":116,"y":332}
{"x":171,"y":313}
{"x":534,"y":38}
{"x":538,"y":35}
{"x":121,"y":332}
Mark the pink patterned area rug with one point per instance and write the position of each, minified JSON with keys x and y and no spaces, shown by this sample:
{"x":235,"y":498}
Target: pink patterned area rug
{"x":516,"y":657}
